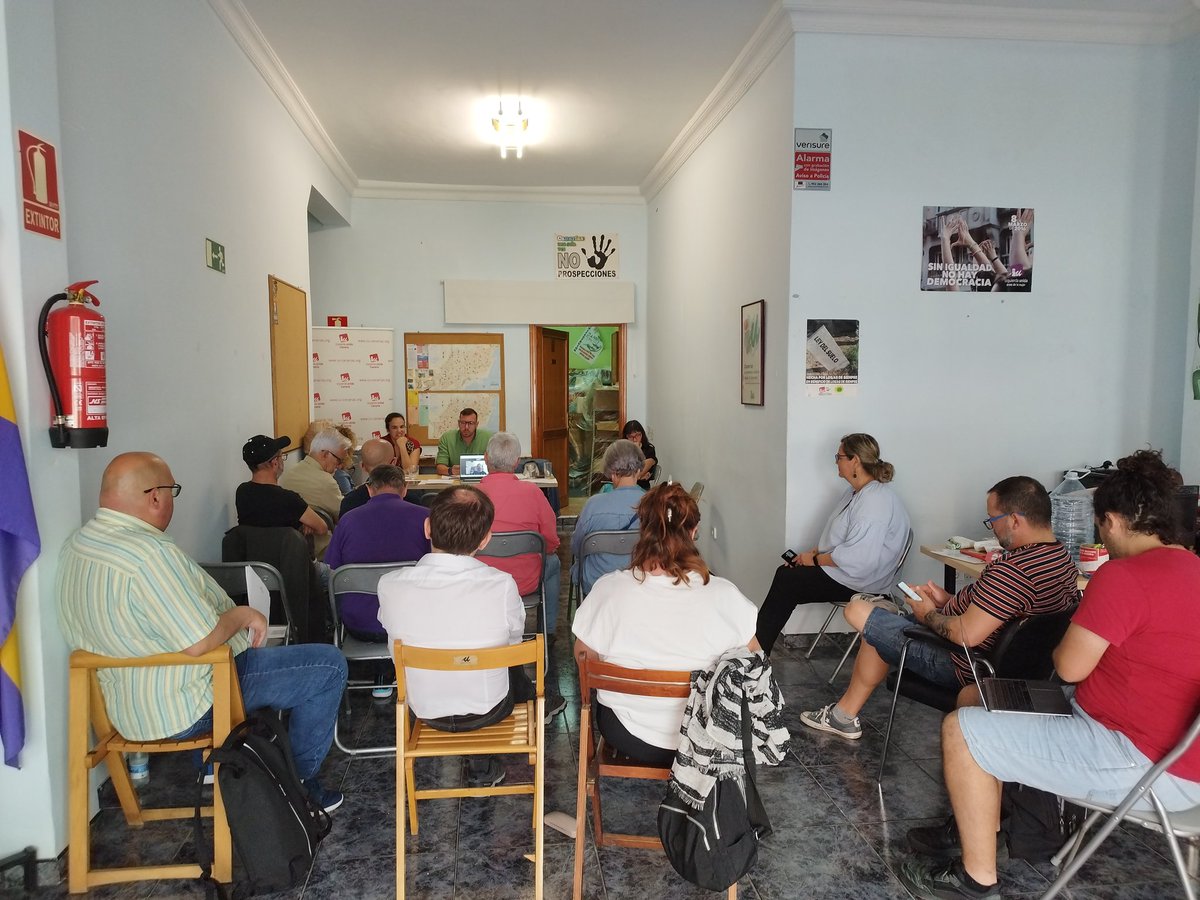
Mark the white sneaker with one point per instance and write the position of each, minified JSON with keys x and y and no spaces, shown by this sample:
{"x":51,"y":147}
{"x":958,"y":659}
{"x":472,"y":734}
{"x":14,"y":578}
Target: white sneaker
{"x":822,"y":720}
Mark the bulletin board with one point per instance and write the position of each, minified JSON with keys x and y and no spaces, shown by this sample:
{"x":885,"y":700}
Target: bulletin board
{"x":446,"y":372}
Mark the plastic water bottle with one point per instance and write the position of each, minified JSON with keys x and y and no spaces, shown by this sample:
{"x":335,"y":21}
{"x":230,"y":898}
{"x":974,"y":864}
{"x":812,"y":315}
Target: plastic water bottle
{"x":1071,"y":514}
{"x":139,"y":768}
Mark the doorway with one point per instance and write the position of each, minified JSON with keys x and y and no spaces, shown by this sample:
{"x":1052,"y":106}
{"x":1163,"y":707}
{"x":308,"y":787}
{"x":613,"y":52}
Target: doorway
{"x":594,"y":396}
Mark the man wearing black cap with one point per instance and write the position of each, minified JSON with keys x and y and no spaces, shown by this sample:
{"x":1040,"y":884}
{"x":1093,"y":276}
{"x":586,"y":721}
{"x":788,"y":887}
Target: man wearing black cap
{"x":261,"y":501}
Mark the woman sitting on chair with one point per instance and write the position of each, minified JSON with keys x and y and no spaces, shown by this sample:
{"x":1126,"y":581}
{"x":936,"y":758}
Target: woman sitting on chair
{"x":667,"y":611}
{"x":633,"y":431}
{"x":859,"y":549}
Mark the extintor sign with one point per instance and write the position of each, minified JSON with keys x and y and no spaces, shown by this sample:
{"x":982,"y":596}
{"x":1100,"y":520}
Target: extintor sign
{"x":39,"y":186}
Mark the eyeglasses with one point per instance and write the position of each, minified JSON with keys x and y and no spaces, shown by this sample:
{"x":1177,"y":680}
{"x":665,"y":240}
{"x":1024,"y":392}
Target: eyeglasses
{"x":987,"y":523}
{"x":468,"y":421}
{"x":282,"y":457}
{"x":340,"y":459}
{"x":838,"y":457}
{"x":173,"y":488}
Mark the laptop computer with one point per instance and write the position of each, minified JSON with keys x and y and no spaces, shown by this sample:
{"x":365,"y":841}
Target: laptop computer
{"x":1017,"y":695}
{"x":471,"y":468}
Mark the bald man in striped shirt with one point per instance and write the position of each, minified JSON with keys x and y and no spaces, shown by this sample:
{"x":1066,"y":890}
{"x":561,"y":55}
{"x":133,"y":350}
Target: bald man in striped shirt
{"x":125,"y":589}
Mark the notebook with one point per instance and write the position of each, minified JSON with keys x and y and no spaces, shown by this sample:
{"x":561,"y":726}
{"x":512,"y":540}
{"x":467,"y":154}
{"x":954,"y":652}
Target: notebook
{"x":471,"y":468}
{"x":1016,"y":695}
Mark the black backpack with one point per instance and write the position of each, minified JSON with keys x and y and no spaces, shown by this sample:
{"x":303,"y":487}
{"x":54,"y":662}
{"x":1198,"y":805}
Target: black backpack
{"x":274,"y":824}
{"x":1037,"y":823}
{"x":715,"y":846}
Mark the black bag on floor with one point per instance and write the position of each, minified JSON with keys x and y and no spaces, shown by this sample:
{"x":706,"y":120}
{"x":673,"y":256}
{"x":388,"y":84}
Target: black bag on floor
{"x":274,"y":824}
{"x":1037,"y":823}
{"x":715,"y":846}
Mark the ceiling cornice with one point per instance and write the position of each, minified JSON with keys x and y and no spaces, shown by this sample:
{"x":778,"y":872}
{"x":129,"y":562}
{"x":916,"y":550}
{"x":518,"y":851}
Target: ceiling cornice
{"x":248,"y":36}
{"x":923,"y":18}
{"x":393,"y":190}
{"x":771,"y":36}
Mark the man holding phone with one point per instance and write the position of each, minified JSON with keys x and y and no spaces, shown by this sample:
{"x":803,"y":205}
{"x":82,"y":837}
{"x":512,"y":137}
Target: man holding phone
{"x":1035,"y":576}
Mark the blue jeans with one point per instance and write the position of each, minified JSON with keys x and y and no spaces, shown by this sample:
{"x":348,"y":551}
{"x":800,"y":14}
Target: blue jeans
{"x":885,"y":632}
{"x":552,"y":581}
{"x":306,"y":679}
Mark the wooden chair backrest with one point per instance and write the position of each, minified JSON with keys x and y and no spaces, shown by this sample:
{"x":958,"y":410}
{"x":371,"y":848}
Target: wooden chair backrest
{"x":597,"y":675}
{"x":466,"y":659}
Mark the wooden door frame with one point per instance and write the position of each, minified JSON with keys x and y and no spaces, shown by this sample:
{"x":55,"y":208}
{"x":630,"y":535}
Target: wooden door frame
{"x":535,"y":359}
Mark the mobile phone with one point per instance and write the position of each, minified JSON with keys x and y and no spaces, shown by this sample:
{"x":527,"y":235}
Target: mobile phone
{"x":910,"y":593}
{"x":788,"y":556}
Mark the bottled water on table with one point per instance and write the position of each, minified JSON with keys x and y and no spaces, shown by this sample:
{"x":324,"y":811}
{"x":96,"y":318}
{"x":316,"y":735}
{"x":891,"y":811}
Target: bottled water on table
{"x":1071,"y":514}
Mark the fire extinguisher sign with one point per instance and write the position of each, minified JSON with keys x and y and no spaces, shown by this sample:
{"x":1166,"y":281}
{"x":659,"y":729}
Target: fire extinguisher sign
{"x":39,"y":186}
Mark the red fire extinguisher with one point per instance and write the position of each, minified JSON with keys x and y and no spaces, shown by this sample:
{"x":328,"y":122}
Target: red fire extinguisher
{"x":72,"y":344}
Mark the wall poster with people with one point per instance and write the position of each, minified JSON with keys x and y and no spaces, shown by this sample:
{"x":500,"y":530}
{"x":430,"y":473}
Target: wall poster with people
{"x":977,"y":248}
{"x":831,"y":358}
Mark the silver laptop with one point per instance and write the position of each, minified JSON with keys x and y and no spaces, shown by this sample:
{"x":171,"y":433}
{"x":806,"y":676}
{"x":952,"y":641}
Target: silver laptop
{"x":471,"y":468}
{"x":1017,"y":695}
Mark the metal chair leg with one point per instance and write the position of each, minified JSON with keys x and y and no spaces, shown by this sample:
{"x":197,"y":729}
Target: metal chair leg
{"x":887,"y":735}
{"x":821,"y":633}
{"x":853,"y":643}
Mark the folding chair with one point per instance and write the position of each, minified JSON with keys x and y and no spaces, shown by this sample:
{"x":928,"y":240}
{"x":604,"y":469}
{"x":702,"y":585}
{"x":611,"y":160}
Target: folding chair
{"x":842,"y":605}
{"x":231,"y":576}
{"x":619,"y":543}
{"x":523,"y":732}
{"x":507,"y":544}
{"x":1023,"y":650}
{"x":1174,"y":825}
{"x":86,"y":708}
{"x":358,"y":578}
{"x":597,"y":760}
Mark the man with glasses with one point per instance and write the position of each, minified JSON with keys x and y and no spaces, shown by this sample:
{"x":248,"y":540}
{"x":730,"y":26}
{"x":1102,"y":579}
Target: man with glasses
{"x":261,"y":502}
{"x":1035,"y":576}
{"x":312,"y":478}
{"x":125,"y":589}
{"x":467,"y":438}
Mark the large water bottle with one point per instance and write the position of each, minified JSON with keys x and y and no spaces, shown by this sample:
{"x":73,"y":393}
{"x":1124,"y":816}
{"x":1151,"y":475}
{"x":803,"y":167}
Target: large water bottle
{"x":139,"y":768}
{"x":1071,"y":514}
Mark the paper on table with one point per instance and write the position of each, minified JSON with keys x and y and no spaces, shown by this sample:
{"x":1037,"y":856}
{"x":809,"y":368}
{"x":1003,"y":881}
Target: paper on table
{"x":257,"y":595}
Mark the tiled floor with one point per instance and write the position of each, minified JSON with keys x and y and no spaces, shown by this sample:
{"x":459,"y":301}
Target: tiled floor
{"x":836,"y":834}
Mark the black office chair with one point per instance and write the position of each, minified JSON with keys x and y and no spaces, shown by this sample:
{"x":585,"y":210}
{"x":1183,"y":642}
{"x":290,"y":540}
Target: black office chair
{"x":290,"y":552}
{"x":1023,"y":650}
{"x":506,"y":544}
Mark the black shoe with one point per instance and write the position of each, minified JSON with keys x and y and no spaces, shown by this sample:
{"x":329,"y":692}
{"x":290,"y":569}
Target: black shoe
{"x":946,"y":882}
{"x":555,"y":703}
{"x":936,"y":841}
{"x":328,"y":800}
{"x":489,"y":777}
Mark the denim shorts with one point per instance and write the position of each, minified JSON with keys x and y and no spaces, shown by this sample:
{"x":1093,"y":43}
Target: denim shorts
{"x":884,"y":631}
{"x":1072,"y":756}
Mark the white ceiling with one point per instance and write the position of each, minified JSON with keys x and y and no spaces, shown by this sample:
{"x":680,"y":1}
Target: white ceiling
{"x":385,"y":88}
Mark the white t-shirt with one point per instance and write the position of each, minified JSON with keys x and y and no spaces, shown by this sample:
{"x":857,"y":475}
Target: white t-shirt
{"x":654,"y":624}
{"x":444,"y":602}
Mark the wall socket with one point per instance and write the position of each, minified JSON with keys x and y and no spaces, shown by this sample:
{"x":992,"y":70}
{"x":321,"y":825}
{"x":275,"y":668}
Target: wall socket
{"x":714,"y":532}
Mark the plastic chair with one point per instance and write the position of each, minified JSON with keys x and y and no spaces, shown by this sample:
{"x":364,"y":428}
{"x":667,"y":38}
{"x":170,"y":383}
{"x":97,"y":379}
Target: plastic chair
{"x":86,"y":708}
{"x":842,"y":605}
{"x":1023,"y":650}
{"x":523,"y":732}
{"x":1174,"y":825}
{"x":619,"y":543}
{"x":507,"y":544}
{"x":231,"y":576}
{"x":697,"y":490}
{"x":358,"y":578}
{"x":597,"y":760}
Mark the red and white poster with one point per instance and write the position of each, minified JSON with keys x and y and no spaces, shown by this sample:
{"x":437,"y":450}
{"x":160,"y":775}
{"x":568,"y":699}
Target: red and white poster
{"x":39,"y":186}
{"x":814,"y":153}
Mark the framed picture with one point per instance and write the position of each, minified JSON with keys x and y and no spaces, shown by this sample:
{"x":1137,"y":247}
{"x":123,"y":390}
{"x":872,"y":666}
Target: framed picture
{"x":754,"y":335}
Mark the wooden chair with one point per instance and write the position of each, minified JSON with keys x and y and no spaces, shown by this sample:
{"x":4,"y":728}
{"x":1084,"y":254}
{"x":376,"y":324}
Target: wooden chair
{"x":86,"y":708}
{"x":523,"y":732}
{"x":597,"y":760}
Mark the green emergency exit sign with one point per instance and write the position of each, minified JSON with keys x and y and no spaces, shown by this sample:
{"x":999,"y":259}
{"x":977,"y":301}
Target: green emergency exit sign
{"x":214,"y":255}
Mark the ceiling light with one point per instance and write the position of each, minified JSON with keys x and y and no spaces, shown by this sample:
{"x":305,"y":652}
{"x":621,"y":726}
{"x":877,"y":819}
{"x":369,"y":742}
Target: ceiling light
{"x":510,"y":122}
